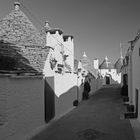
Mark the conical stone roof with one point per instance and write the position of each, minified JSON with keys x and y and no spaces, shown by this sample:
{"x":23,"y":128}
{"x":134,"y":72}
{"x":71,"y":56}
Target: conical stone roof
{"x":118,"y":64}
{"x":85,"y":60}
{"x":86,"y":64}
{"x":18,"y":29}
{"x":106,"y":64}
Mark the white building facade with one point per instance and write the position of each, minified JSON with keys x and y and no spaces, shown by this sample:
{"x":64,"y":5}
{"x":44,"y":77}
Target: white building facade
{"x":109,"y":73}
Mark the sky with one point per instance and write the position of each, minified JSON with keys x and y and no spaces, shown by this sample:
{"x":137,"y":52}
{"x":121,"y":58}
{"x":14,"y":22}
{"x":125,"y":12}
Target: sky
{"x":98,"y":26}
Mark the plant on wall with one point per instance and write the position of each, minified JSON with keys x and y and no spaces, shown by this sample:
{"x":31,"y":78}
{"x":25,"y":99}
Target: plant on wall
{"x":53,"y":62}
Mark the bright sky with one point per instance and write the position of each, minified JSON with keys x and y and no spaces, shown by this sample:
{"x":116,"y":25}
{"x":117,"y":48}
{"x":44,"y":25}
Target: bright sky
{"x":98,"y":26}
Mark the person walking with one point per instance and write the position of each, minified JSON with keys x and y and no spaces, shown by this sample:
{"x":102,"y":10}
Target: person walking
{"x":86,"y":90}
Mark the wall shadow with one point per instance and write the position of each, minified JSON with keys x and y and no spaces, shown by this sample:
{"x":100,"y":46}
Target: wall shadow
{"x":49,"y":99}
{"x":57,"y":106}
{"x":64,"y":102}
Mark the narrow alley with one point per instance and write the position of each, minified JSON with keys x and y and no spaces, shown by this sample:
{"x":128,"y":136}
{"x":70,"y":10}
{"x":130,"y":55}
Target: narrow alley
{"x":97,"y":118}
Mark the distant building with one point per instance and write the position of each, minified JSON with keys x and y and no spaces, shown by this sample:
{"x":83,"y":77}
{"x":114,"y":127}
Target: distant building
{"x":108,"y":72}
{"x":104,"y":73}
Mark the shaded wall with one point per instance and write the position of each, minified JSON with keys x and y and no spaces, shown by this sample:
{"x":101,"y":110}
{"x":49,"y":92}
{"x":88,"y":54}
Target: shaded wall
{"x":65,"y":92}
{"x":49,"y":98}
{"x":136,"y":76}
{"x":123,"y":72}
{"x":22,"y":100}
{"x":98,"y":83}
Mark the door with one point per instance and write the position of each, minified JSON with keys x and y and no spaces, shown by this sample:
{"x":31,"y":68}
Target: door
{"x":107,"y":80}
{"x":49,"y":99}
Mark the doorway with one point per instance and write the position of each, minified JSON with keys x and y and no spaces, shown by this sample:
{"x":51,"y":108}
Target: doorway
{"x":107,"y":80}
{"x":125,"y":79}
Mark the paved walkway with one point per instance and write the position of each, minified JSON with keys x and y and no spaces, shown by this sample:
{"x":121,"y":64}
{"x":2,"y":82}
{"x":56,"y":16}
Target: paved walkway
{"x":95,"y":119}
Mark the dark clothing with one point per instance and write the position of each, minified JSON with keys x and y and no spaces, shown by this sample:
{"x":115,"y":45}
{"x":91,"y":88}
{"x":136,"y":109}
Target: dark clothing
{"x":86,"y":86}
{"x":86,"y":91}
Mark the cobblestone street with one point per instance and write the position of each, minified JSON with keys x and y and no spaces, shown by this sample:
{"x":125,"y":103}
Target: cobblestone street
{"x":97,"y":118}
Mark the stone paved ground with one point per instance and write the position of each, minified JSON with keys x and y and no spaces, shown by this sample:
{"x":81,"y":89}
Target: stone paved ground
{"x":136,"y":127}
{"x":95,"y":119}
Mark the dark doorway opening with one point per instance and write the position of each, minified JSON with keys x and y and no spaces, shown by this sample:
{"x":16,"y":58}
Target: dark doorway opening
{"x":124,"y":90}
{"x":125,"y":79}
{"x":107,"y":80}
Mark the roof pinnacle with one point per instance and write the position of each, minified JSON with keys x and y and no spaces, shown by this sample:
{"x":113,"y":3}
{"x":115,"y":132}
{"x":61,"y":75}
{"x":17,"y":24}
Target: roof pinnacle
{"x":106,"y":58}
{"x":17,"y":5}
{"x":84,"y":55}
{"x":47,"y":25}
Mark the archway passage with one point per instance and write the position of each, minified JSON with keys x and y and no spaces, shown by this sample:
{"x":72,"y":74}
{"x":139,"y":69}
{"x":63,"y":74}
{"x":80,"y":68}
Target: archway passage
{"x":107,"y":80}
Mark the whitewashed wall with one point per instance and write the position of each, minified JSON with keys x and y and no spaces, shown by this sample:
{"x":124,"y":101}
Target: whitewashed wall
{"x":116,"y":78}
{"x":23,"y":106}
{"x":136,"y":75}
{"x":69,"y":50}
{"x":65,"y":92}
{"x":54,"y":41}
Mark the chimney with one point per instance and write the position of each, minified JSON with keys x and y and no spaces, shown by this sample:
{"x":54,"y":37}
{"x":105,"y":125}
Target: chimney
{"x":96,"y":63}
{"x":121,"y":51}
{"x":17,"y":5}
{"x":106,"y":59}
{"x":47,"y":25}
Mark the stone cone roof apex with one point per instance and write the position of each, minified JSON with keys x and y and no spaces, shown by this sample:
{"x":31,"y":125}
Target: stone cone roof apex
{"x":17,"y":5}
{"x":47,"y":25}
{"x":106,"y":58}
{"x":84,"y":55}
